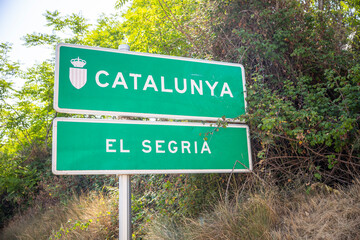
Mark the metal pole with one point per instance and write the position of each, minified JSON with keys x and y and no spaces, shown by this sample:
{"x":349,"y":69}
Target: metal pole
{"x":124,"y":194}
{"x":124,"y":207}
{"x":124,"y":47}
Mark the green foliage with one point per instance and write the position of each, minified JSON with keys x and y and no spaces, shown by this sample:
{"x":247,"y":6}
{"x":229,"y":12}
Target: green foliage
{"x":63,"y":232}
{"x":303,"y":85}
{"x":108,"y":33}
{"x":74,"y":24}
{"x":151,"y":26}
{"x":177,"y":28}
{"x":8,"y":69}
{"x":26,"y":119}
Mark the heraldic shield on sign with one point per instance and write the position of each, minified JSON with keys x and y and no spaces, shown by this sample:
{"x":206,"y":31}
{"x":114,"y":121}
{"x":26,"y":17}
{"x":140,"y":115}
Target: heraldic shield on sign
{"x":78,"y":75}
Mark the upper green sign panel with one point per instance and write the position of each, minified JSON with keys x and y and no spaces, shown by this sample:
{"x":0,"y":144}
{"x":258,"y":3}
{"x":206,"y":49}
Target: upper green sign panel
{"x":102,"y":81}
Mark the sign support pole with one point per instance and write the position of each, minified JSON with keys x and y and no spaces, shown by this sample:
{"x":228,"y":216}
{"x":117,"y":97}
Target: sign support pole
{"x":124,"y":194}
{"x":124,"y":207}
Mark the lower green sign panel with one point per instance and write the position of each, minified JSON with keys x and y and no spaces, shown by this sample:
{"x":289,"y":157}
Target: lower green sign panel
{"x":91,"y":146}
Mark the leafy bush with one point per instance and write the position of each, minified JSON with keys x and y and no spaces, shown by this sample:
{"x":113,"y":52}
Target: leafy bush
{"x":173,"y":196}
{"x":303,"y":85}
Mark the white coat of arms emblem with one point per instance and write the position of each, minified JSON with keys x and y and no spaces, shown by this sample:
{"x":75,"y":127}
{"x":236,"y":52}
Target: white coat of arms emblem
{"x":78,"y":75}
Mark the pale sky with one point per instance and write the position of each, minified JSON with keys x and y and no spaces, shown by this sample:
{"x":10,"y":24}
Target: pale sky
{"x":19,"y":17}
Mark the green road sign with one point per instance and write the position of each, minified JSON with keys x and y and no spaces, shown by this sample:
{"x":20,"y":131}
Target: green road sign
{"x":92,"y":146}
{"x":102,"y":81}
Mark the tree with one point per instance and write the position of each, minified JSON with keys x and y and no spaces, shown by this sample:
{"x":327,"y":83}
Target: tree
{"x":8,"y":69}
{"x":27,"y":113}
{"x":166,"y":27}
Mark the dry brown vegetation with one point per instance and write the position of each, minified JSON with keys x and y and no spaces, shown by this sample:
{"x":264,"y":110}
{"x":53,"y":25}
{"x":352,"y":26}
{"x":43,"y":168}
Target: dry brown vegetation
{"x":324,"y":214}
{"x":320,"y":213}
{"x":89,"y":216}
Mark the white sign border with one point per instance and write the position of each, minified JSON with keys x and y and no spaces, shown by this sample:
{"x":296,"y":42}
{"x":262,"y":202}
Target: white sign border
{"x":132,"y":172}
{"x":132,"y":114}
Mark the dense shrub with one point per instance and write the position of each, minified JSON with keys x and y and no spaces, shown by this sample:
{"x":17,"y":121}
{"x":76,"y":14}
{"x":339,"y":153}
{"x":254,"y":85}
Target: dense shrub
{"x":303,"y":85}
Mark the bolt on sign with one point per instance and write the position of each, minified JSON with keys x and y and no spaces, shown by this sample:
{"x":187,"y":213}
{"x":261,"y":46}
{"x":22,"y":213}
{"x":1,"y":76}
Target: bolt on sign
{"x":93,"y":146}
{"x":100,"y":81}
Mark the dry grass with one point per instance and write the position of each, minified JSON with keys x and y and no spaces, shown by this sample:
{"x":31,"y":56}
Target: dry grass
{"x":251,"y":218}
{"x":89,"y":216}
{"x":164,"y":228}
{"x":324,"y":213}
